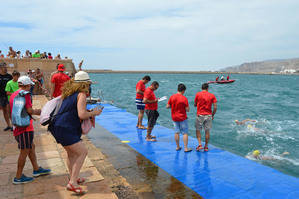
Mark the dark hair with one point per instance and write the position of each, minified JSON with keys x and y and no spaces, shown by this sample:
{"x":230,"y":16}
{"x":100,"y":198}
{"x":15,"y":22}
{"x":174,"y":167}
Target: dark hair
{"x":148,"y":78}
{"x":155,"y":83}
{"x":205,"y":86}
{"x":15,"y":73}
{"x":181,"y":87}
{"x":57,"y":66}
{"x":49,"y":53}
{"x":2,"y":64}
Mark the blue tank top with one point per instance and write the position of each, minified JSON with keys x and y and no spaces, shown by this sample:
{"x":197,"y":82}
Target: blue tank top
{"x":67,"y":116}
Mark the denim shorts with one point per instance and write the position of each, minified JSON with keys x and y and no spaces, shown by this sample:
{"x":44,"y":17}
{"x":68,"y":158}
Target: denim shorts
{"x":181,"y":127}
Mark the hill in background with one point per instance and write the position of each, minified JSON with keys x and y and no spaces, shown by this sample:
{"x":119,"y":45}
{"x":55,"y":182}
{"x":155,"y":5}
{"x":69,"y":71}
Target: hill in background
{"x":269,"y":66}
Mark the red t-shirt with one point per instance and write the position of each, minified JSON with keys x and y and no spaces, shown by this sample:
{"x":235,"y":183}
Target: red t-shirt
{"x":140,"y":86}
{"x":150,"y":95}
{"x":178,"y":104}
{"x":58,"y":79}
{"x":19,"y":130}
{"x":204,"y":101}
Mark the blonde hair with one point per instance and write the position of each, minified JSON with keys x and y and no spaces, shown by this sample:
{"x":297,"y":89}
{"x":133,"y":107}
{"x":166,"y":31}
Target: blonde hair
{"x":70,"y":87}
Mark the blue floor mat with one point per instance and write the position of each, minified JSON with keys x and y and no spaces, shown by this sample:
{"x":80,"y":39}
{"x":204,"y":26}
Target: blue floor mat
{"x":213,"y":174}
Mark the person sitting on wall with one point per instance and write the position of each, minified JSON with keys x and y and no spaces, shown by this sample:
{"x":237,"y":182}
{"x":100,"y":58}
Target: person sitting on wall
{"x":58,"y":56}
{"x":11,"y":53}
{"x":50,"y":56}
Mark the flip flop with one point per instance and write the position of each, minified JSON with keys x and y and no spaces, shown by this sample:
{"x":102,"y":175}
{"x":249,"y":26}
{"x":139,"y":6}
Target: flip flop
{"x":206,"y":149}
{"x":188,"y":150}
{"x":199,"y":147}
{"x":151,"y":140}
{"x":77,"y":190}
{"x":178,"y":149}
{"x":142,"y":127}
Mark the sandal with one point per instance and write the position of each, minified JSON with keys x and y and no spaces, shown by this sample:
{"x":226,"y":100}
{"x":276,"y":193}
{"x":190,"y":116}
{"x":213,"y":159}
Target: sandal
{"x":199,"y":147}
{"x":142,"y":127}
{"x":80,"y":180}
{"x":206,"y":149}
{"x":178,"y":149}
{"x":77,"y":190}
{"x":151,"y":139}
{"x":188,"y":150}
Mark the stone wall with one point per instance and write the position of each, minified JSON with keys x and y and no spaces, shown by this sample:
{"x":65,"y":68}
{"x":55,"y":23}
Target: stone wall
{"x":47,"y":66}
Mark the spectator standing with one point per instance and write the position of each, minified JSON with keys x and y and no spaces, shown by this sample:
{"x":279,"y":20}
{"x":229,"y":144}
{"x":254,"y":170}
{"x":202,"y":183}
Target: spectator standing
{"x":179,"y":106}
{"x":50,"y":56}
{"x":25,"y":135}
{"x":140,"y":88}
{"x":58,"y":80}
{"x":204,"y":101}
{"x":4,"y":105}
{"x":19,"y":55}
{"x":11,"y":53}
{"x":66,"y":127}
{"x":1,"y":55}
{"x":151,"y":109}
{"x":12,"y":85}
{"x":39,"y":76}
{"x":36,"y":54}
{"x":58,"y":56}
{"x":27,"y":54}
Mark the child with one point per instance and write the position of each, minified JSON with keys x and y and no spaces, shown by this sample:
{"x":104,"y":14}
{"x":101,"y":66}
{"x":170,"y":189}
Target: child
{"x":24,"y":136}
{"x":12,"y":85}
{"x":179,"y":105}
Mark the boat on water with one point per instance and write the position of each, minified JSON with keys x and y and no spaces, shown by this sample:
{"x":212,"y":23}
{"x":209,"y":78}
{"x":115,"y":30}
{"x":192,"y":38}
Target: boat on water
{"x":221,"y":82}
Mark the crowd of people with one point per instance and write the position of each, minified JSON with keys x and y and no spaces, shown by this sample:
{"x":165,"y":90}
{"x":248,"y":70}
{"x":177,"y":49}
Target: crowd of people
{"x":16,"y":104}
{"x":147,"y":102}
{"x":28,"y":54}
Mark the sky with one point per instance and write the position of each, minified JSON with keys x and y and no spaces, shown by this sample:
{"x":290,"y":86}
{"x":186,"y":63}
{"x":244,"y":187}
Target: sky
{"x":175,"y":35}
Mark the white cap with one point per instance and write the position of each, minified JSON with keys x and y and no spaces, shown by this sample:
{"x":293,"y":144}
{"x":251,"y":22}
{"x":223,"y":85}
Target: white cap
{"x":82,"y":76}
{"x":25,"y":80}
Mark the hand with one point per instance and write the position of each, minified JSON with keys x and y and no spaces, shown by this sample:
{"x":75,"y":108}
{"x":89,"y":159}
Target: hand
{"x":97,"y":111}
{"x":37,"y":112}
{"x":156,"y":100}
{"x":212,"y":117}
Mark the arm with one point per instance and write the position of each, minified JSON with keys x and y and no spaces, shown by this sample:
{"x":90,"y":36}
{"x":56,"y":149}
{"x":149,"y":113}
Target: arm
{"x":32,"y":111}
{"x":214,"y":109}
{"x":147,"y":101}
{"x":167,"y":106}
{"x":187,"y":108}
{"x":139,"y":91}
{"x":81,"y":106}
{"x":52,"y":89}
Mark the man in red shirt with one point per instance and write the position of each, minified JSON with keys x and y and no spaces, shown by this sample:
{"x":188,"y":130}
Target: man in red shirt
{"x":151,"y":107}
{"x":24,"y":135}
{"x":179,"y":105}
{"x":204,"y":101}
{"x":58,"y":80}
{"x":140,"y":88}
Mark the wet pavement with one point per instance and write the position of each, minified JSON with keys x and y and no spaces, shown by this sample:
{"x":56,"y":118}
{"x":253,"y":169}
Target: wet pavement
{"x":147,"y":179}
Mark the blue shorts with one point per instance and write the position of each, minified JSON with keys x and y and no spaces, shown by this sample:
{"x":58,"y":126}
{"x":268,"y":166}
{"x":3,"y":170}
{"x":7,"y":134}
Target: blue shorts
{"x":181,"y":127}
{"x":139,"y":104}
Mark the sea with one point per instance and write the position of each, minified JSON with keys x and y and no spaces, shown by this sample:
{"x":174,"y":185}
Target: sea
{"x":271,"y":100}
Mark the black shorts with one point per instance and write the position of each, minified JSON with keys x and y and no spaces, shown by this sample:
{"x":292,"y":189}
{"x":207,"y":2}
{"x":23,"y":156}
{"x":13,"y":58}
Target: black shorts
{"x":25,"y":140}
{"x":152,"y":116}
{"x":3,"y":101}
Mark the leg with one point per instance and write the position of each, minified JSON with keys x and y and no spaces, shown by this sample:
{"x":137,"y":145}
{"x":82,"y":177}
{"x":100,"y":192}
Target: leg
{"x":6,"y":114}
{"x":140,"y":118}
{"x":32,"y":157}
{"x":71,"y":159}
{"x":177,"y":140}
{"x":185,"y":139}
{"x":79,"y":150}
{"x":198,"y":136}
{"x":207,"y":137}
{"x":21,"y":162}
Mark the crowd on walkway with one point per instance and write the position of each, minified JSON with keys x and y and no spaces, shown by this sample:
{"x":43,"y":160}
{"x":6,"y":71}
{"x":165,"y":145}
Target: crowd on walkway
{"x":16,"y":104}
{"x":147,"y":102}
{"x":11,"y":53}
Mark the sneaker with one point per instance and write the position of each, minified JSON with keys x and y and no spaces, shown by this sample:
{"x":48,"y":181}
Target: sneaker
{"x":41,"y":171}
{"x":22,"y":180}
{"x":7,"y":128}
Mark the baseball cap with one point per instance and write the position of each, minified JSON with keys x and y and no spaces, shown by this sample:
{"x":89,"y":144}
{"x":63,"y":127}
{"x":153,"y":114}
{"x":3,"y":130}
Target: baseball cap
{"x":2,"y":64}
{"x":61,"y":67}
{"x":82,"y":76}
{"x":25,"y":80}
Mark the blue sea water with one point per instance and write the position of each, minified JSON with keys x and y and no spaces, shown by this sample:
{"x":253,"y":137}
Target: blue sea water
{"x":271,"y":100}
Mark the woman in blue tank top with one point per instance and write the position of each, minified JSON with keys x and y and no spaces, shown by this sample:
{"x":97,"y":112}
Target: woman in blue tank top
{"x":66,"y":127}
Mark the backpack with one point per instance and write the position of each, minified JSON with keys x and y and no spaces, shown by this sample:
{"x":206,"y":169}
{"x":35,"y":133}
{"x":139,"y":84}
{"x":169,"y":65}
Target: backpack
{"x":50,"y":110}
{"x":19,"y":115}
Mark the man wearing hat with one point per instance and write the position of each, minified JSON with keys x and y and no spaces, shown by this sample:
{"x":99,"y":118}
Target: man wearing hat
{"x":4,"y":105}
{"x":58,"y":80}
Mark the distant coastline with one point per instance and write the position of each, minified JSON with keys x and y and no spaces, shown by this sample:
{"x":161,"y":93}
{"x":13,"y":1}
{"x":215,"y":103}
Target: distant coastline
{"x":181,"y":72}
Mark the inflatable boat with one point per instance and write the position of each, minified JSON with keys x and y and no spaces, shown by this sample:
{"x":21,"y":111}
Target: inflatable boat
{"x":221,"y":82}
